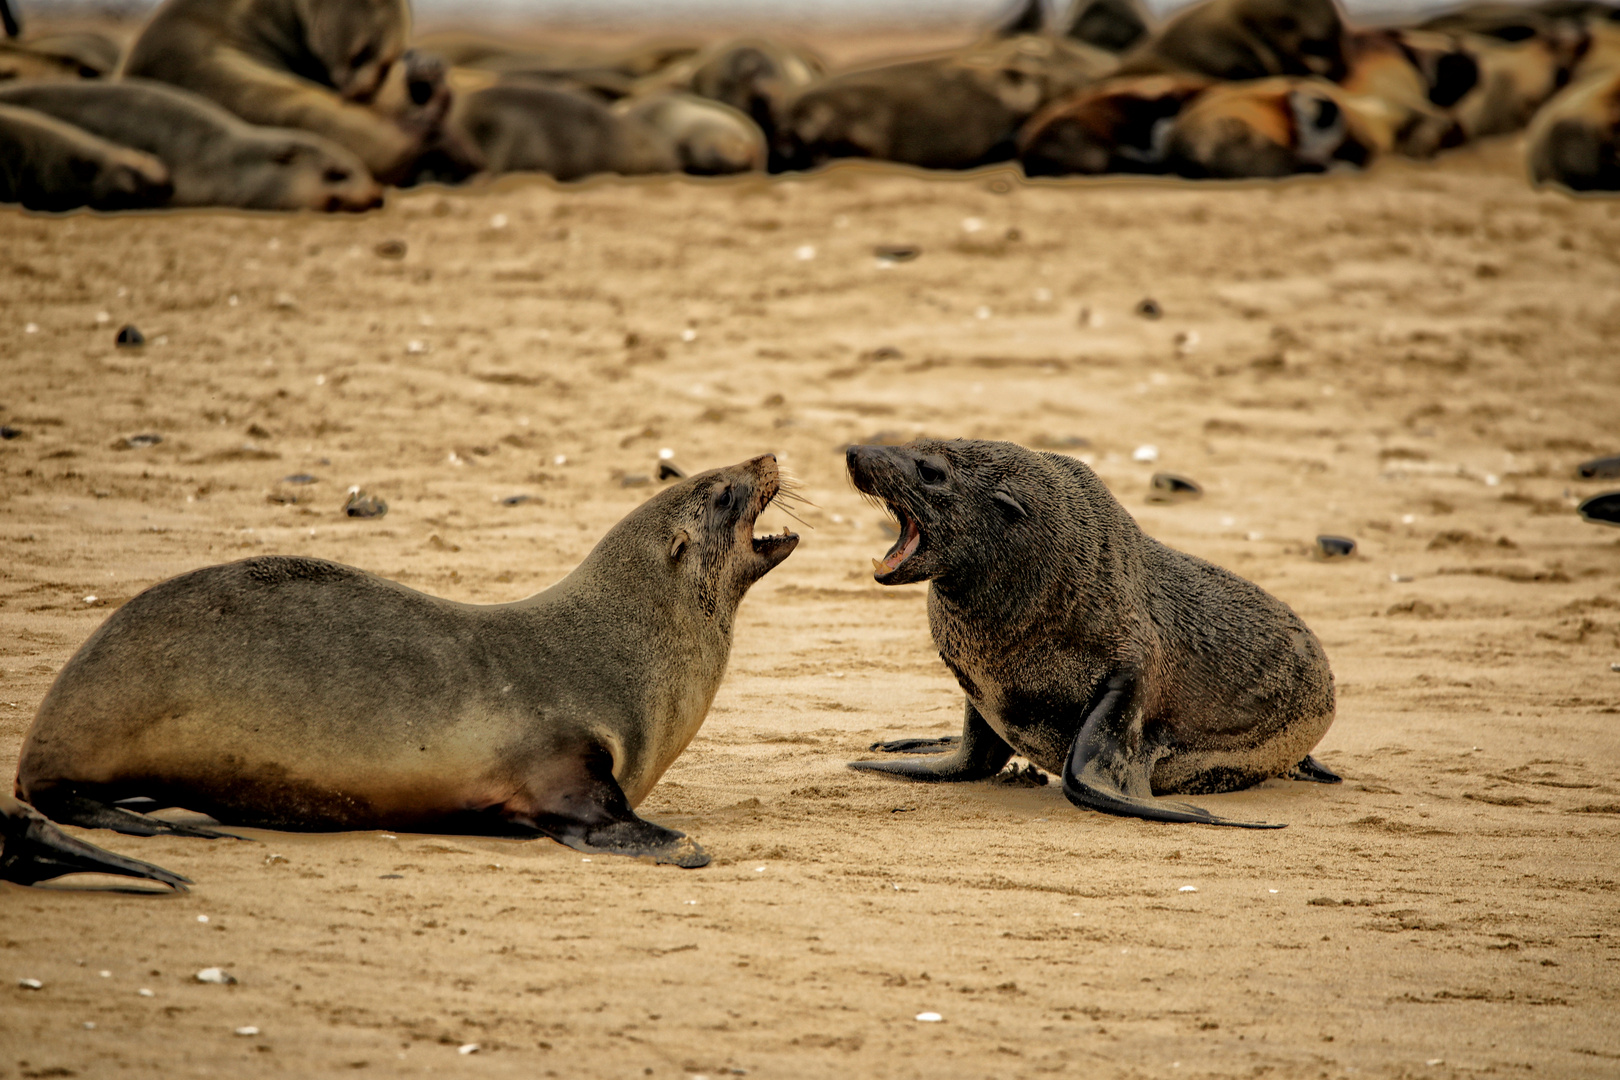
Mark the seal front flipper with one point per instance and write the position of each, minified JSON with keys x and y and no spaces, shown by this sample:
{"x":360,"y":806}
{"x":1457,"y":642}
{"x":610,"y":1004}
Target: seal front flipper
{"x":1314,"y":771}
{"x":1103,"y":774}
{"x":980,"y":755}
{"x":73,"y":808}
{"x":588,"y":812}
{"x":919,"y":746}
{"x":32,"y":850}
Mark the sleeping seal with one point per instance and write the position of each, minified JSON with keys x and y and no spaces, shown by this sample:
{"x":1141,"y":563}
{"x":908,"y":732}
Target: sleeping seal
{"x":294,"y":693}
{"x":34,"y":850}
{"x":1128,"y":668}
{"x":48,"y":165}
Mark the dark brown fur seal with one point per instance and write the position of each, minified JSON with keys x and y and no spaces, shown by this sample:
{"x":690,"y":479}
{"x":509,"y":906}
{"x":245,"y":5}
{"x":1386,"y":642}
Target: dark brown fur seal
{"x":1246,"y":39}
{"x":953,"y":111}
{"x":1115,"y":25}
{"x":33,"y":850}
{"x":1117,"y":126}
{"x":213,"y":158}
{"x":1128,"y":668}
{"x":299,"y":694}
{"x":48,"y":165}
{"x":524,"y":125}
{"x":1574,"y":141}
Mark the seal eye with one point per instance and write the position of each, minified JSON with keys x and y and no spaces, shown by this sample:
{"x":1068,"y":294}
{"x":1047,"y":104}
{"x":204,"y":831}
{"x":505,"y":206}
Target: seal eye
{"x":723,"y":500}
{"x":929,"y":474}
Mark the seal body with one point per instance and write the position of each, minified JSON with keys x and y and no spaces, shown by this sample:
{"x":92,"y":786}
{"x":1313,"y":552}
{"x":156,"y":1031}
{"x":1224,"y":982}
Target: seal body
{"x":300,"y":694}
{"x":1246,"y":39}
{"x":212,"y":158}
{"x":526,"y":125}
{"x":48,"y":165}
{"x":1127,"y":667}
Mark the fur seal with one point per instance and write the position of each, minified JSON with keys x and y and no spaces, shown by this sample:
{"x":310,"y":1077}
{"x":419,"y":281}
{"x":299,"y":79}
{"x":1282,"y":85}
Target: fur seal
{"x":1270,"y":128}
{"x":1126,"y":667}
{"x":317,"y":65}
{"x":953,"y":111}
{"x":710,"y":137}
{"x":33,"y":850}
{"x":213,"y":158}
{"x":1246,"y":39}
{"x":1574,"y":141}
{"x":46,"y":164}
{"x":521,"y":125}
{"x":1406,"y":82}
{"x":294,"y":693}
{"x":1118,"y":126}
{"x":1114,"y":25}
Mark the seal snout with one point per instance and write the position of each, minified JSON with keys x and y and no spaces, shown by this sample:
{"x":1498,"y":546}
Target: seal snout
{"x":772,"y":548}
{"x":876,"y":473}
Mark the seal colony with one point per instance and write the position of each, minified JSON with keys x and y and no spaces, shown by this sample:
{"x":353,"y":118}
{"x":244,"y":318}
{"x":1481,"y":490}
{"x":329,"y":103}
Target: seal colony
{"x":1130,"y":669}
{"x":294,"y":693}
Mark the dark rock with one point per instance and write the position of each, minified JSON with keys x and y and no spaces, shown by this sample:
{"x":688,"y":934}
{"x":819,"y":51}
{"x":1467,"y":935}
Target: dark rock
{"x":1602,"y":509}
{"x":1149,"y":308}
{"x":361,"y":505}
{"x":1603,"y":468}
{"x":298,"y":478}
{"x":516,"y":500}
{"x":130,"y":337}
{"x":897,"y":252}
{"x":137,"y":442}
{"x":9,"y":433}
{"x":1335,"y":547}
{"x":391,"y":249}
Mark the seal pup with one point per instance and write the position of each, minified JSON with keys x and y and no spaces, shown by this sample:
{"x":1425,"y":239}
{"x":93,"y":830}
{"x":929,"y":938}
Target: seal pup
{"x":1406,"y":82}
{"x":33,"y":850}
{"x":710,"y":137}
{"x":1270,"y":128}
{"x":48,"y":165}
{"x":213,"y":158}
{"x":1118,"y":126}
{"x":1246,"y":39}
{"x":1115,"y":25}
{"x":1128,"y":668}
{"x":519,"y":125}
{"x":956,"y":110}
{"x":1574,"y":141}
{"x":294,"y":693}
{"x":317,"y":65}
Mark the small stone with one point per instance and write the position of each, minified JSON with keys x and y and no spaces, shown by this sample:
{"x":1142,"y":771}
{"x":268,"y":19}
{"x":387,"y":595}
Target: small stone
{"x":1188,"y":888}
{"x":286,"y":301}
{"x":1146,"y":453}
{"x":1335,"y":547}
{"x":9,"y":433}
{"x":31,"y":328}
{"x":1170,"y":488}
{"x":391,"y":249}
{"x":897,"y":252}
{"x":1602,"y":509}
{"x":1149,"y":308}
{"x":129,"y":337}
{"x":881,"y":353}
{"x":467,"y":1048}
{"x":929,"y":1017}
{"x":415,"y":347}
{"x":298,"y":478}
{"x":30,"y":984}
{"x":689,"y":335}
{"x":249,"y":1030}
{"x":499,"y":221}
{"x":361,"y":505}
{"x":972,"y":224}
{"x":516,"y":500}
{"x":668,"y":470}
{"x":137,"y":442}
{"x":216,"y":976}
{"x":804,"y":252}
{"x":145,"y":992}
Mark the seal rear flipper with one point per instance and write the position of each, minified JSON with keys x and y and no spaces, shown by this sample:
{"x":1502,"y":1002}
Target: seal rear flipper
{"x":1102,"y":775}
{"x":588,"y":812}
{"x":74,"y":809}
{"x":33,"y":850}
{"x":980,"y":755}
{"x":1314,"y":771}
{"x":919,"y":746}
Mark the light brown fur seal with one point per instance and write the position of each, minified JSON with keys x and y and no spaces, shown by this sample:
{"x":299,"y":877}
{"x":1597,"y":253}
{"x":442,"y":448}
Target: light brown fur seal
{"x":317,"y":65}
{"x":1128,"y":668}
{"x":299,"y":694}
{"x":213,"y":159}
{"x":1271,"y":128}
{"x":46,"y":164}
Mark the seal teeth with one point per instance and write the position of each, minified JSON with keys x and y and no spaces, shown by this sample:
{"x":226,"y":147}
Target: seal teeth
{"x":878,"y":567}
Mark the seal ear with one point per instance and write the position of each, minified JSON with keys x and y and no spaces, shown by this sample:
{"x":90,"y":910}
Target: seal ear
{"x":677,"y":546}
{"x":1009,"y":506}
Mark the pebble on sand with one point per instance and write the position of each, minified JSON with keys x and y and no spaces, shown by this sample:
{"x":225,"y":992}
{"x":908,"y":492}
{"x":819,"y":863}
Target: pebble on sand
{"x":247,"y":1030}
{"x":1149,"y":308}
{"x":30,"y":984}
{"x":217,"y":976}
{"x":929,"y":1017}
{"x":1335,"y":547}
{"x":897,"y":252}
{"x":129,"y":337}
{"x":9,"y":433}
{"x":391,"y":249}
{"x":137,"y":442}
{"x":1188,"y":888}
{"x":361,"y":505}
{"x":1146,"y":453}
{"x":467,"y":1048}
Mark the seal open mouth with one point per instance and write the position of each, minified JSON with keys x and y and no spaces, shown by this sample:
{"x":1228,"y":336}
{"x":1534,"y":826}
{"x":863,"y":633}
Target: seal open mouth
{"x":773,"y":547}
{"x":904,"y":548}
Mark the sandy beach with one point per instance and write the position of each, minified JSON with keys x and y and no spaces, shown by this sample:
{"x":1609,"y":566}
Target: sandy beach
{"x":1416,"y":358}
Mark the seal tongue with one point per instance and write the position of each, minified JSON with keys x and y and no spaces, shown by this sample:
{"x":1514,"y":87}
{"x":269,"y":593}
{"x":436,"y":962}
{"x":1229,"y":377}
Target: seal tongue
{"x":903,"y":549}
